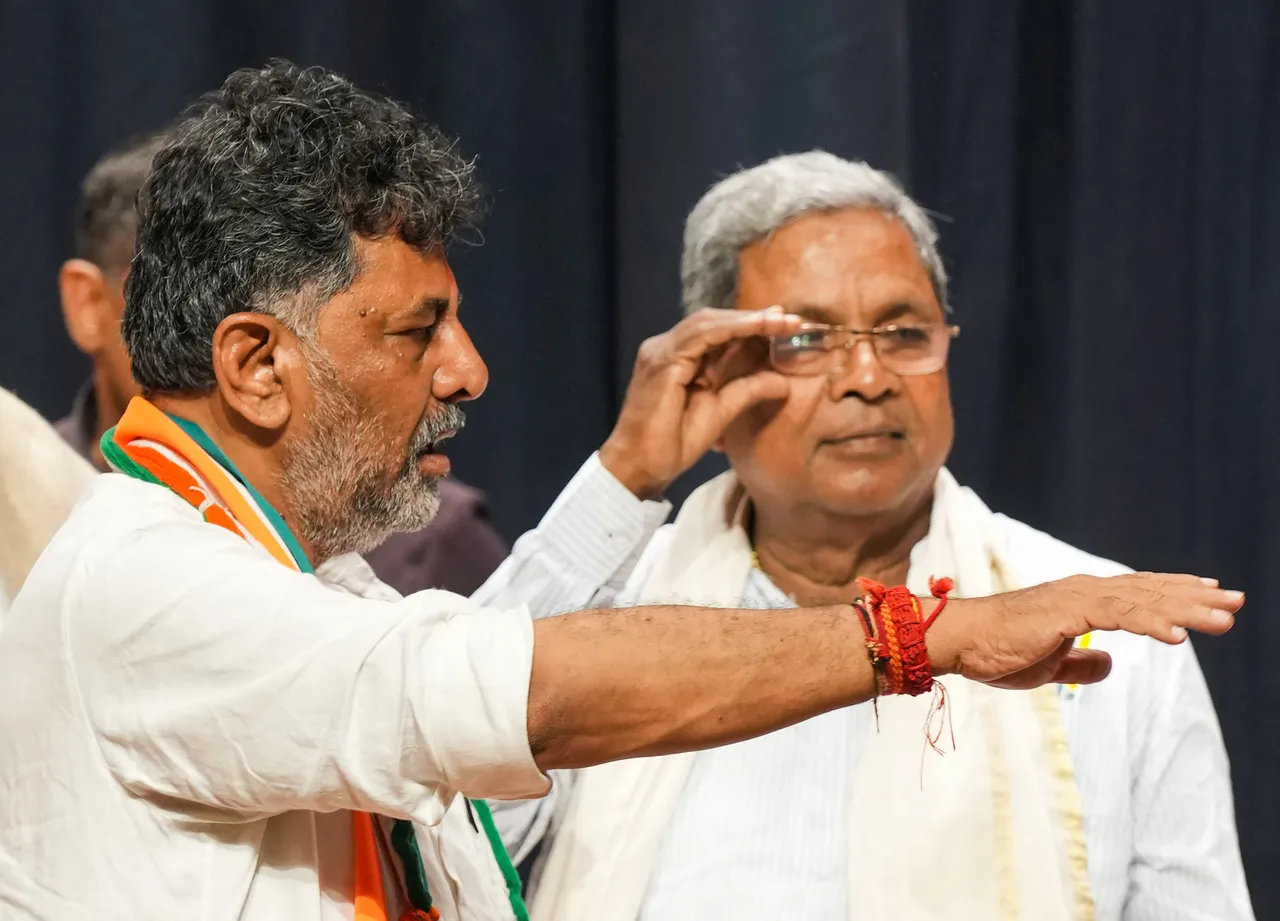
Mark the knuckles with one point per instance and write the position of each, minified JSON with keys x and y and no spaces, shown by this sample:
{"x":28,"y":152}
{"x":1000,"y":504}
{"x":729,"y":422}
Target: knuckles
{"x":703,"y":319}
{"x":652,"y":352}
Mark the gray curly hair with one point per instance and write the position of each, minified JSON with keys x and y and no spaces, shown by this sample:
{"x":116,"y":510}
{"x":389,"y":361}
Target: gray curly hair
{"x":256,"y":200}
{"x":753,"y":203}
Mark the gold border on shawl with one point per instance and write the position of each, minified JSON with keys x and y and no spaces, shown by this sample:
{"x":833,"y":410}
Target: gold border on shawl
{"x":1044,"y":700}
{"x":1066,"y":795}
{"x":1006,"y":868}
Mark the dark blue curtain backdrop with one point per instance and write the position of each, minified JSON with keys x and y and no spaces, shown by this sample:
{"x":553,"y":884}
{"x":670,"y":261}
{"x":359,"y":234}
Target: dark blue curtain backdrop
{"x":1107,"y":173}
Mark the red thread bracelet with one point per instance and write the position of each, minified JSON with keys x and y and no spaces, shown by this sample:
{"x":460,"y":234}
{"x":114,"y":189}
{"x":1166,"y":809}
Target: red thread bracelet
{"x":939,"y":588}
{"x":896,"y":635}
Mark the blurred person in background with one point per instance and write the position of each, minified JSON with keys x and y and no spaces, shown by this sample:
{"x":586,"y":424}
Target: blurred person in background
{"x":40,"y":480}
{"x":1111,"y":802}
{"x":457,"y":552}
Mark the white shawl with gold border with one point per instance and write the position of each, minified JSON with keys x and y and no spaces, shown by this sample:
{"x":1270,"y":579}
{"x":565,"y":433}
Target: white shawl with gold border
{"x":991,"y":831}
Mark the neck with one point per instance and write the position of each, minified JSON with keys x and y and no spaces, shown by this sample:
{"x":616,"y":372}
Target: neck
{"x":255,"y":454}
{"x":816,"y":556}
{"x":107,"y":406}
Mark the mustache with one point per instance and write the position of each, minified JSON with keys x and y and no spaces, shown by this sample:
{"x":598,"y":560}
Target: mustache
{"x":449,"y":419}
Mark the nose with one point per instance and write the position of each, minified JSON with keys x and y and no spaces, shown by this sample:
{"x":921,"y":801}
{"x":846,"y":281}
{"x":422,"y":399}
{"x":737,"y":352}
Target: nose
{"x":461,"y":374}
{"x":863,"y":375}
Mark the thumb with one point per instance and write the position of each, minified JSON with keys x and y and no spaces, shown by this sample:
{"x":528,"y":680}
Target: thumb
{"x":1083,"y":666}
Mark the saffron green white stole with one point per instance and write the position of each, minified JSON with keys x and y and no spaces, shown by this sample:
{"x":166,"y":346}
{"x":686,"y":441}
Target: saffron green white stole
{"x":149,"y":445}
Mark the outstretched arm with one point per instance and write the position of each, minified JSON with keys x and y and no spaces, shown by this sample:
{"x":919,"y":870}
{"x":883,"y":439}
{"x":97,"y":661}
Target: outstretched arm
{"x":607,"y":685}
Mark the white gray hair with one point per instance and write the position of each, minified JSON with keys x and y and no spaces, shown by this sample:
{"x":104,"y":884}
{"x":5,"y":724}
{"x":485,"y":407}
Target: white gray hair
{"x":753,"y":203}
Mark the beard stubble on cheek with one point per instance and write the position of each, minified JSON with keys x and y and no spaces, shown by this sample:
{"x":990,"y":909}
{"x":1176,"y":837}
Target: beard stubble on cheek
{"x":409,"y":499}
{"x":344,"y":496}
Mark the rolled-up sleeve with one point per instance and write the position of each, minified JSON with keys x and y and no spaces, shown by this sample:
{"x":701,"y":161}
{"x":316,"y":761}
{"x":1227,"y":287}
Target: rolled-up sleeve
{"x":216,"y":679}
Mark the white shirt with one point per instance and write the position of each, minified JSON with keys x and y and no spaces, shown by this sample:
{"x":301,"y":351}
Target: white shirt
{"x":187,"y":721}
{"x":761,"y":827}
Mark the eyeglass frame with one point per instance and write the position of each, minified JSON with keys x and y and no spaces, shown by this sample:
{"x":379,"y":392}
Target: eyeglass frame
{"x":873,"y":334}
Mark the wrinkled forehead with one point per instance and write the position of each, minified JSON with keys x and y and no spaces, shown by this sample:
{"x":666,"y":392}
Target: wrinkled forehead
{"x":856,"y":267}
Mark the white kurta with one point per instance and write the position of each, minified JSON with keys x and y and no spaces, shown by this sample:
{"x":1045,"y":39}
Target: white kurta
{"x":187,"y":721}
{"x":761,"y":828}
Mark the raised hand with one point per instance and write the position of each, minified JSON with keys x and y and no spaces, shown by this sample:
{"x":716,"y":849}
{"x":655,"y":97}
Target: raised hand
{"x":685,"y":390}
{"x":1026,"y":638}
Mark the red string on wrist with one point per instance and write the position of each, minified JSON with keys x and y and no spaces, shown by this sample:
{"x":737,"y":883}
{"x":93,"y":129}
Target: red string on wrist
{"x":896,"y":635}
{"x":896,"y":643}
{"x":939,"y":588}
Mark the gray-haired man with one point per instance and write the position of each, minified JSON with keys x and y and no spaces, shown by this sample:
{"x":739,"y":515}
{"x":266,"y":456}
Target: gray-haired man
{"x":1109,"y":802}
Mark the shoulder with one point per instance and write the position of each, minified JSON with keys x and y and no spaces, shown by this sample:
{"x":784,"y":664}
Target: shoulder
{"x":1040,"y":557}
{"x":14,"y":412}
{"x":133,"y":552}
{"x":126,"y":539}
{"x":30,"y":446}
{"x":120,"y":517}
{"x":40,"y":479}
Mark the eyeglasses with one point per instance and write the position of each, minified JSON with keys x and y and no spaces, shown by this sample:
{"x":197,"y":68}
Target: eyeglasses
{"x":903,"y":349}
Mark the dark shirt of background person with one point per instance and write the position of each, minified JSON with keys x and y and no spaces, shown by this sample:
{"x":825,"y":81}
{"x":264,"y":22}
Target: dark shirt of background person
{"x":456,"y":552}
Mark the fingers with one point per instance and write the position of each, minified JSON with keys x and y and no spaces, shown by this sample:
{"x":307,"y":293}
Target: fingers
{"x":1178,"y":578}
{"x":1206,"y":590}
{"x":737,"y":395}
{"x":705,"y":330}
{"x":736,"y":359}
{"x":1083,"y":666}
{"x":1190,"y":602}
{"x":1163,"y":606}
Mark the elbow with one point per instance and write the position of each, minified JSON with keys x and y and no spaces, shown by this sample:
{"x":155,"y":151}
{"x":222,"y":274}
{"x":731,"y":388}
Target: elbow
{"x":546,"y":718}
{"x":542,"y":733}
{"x":548,"y":729}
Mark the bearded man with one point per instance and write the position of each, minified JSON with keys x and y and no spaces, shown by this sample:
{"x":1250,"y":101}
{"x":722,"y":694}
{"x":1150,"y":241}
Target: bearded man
{"x":1112,"y":802}
{"x":458,"y":551}
{"x":214,"y":709}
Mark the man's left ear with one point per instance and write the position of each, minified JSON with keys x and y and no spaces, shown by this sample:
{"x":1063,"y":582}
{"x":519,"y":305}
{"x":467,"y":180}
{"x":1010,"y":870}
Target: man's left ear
{"x":255,"y":361}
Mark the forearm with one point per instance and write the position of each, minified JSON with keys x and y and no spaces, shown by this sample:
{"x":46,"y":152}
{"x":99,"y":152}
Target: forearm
{"x":608,"y":685}
{"x":631,"y":682}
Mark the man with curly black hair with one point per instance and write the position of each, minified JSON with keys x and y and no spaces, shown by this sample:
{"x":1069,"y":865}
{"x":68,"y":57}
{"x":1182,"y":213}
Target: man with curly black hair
{"x":457,"y":552}
{"x":213,"y":707}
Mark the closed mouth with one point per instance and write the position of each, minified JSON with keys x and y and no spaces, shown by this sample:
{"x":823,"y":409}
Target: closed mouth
{"x":865,"y":436}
